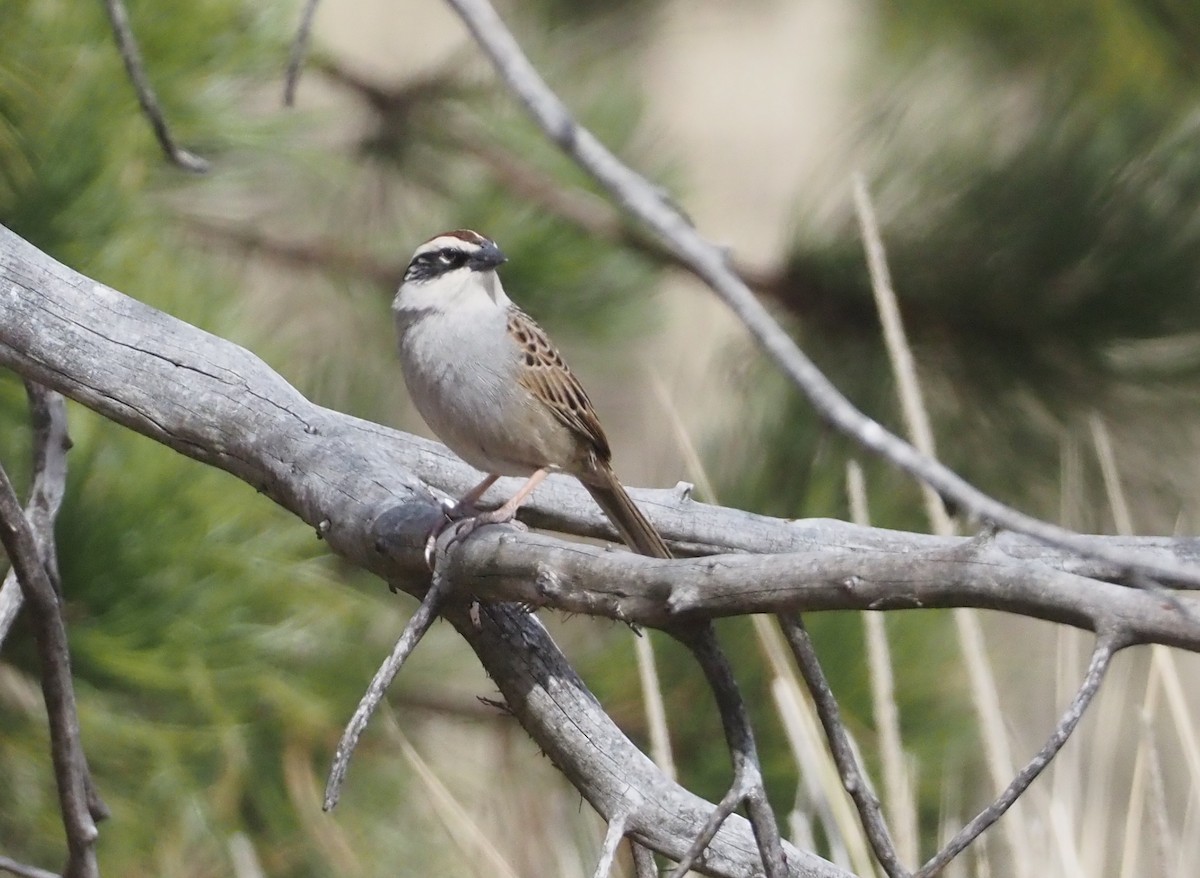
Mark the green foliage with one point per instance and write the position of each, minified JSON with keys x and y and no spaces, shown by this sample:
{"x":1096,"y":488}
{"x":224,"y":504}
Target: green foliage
{"x":217,"y":647}
{"x":1137,"y":49}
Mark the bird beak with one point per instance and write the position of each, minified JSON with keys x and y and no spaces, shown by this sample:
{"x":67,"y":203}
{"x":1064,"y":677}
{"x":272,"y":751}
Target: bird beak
{"x":487,"y":257}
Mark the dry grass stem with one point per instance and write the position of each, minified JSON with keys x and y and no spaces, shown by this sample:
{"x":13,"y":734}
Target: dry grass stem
{"x":984,"y":693}
{"x":652,"y":700}
{"x":476,"y":847}
{"x":897,"y":784}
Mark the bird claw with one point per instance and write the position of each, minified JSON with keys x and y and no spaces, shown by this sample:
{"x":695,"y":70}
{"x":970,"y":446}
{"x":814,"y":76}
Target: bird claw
{"x":438,"y":529}
{"x":455,"y":510}
{"x":463,"y":528}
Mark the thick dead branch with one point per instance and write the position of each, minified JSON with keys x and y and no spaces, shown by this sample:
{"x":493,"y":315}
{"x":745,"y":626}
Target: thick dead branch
{"x":48,"y":414}
{"x":66,"y":748}
{"x":649,"y":206}
{"x":540,"y":570}
{"x":356,"y":484}
{"x":131,"y":55}
{"x":853,"y":778}
{"x":146,"y":362}
{"x":363,"y":488}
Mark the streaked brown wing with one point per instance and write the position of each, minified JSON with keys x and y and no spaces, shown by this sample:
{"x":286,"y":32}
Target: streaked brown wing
{"x":546,"y":375}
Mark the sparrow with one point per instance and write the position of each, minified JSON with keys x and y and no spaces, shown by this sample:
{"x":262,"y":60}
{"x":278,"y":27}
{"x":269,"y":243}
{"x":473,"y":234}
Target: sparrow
{"x":494,"y":388}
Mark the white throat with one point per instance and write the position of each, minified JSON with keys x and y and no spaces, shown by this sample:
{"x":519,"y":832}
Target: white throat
{"x":459,"y":290}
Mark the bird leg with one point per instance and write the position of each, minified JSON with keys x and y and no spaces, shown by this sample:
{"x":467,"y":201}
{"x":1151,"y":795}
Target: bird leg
{"x":465,"y":526}
{"x":466,"y":503}
{"x":509,"y":509}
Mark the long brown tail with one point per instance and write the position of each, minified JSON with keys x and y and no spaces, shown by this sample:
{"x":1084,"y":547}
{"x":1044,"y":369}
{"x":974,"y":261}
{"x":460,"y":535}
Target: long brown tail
{"x":637,"y":532}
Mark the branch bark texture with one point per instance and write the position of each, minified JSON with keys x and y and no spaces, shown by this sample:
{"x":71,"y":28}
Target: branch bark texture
{"x":370,"y":492}
{"x":355,"y":483}
{"x":48,"y":412}
{"x":649,"y":206}
{"x":58,"y":691}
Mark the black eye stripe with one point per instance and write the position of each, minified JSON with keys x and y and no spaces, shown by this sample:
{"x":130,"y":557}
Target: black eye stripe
{"x":435,"y":262}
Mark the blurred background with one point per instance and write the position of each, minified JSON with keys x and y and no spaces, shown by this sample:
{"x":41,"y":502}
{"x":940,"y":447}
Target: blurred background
{"x":1036,"y":171}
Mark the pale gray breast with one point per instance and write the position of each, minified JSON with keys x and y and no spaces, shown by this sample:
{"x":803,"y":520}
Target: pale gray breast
{"x":461,"y":370}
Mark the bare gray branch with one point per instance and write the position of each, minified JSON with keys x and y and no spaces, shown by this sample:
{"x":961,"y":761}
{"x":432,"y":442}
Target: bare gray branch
{"x":417,"y":625}
{"x":356,"y":484}
{"x":66,"y":748}
{"x":747,"y":785}
{"x":648,"y":205}
{"x":20,"y":869}
{"x":131,"y":56}
{"x":48,"y":414}
{"x":643,"y":861}
{"x":298,"y":53}
{"x":608,"y":852}
{"x":1108,"y":643}
{"x":985,"y":574}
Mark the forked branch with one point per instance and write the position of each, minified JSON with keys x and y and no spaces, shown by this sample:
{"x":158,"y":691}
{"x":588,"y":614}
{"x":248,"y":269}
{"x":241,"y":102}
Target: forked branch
{"x":1108,"y":643}
{"x":649,"y":206}
{"x":747,"y":785}
{"x":75,"y":796}
{"x":48,"y":414}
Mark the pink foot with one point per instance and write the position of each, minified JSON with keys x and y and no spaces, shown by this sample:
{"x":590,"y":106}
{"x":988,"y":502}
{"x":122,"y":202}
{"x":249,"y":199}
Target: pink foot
{"x":464,"y":527}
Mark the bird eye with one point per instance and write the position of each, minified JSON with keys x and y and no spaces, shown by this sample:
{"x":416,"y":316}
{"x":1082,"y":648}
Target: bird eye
{"x":450,"y":256}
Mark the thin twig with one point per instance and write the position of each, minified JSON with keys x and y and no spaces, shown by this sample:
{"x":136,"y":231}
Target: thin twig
{"x":9,"y":865}
{"x":298,"y":53}
{"x":728,"y":804}
{"x":612,"y":840}
{"x":643,"y":861}
{"x":832,"y":814}
{"x":853,"y":778}
{"x":66,"y":748}
{"x":1108,"y":643}
{"x":48,"y":414}
{"x":747,"y":785}
{"x":417,"y":625}
{"x":132,"y":57}
{"x":710,"y":262}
